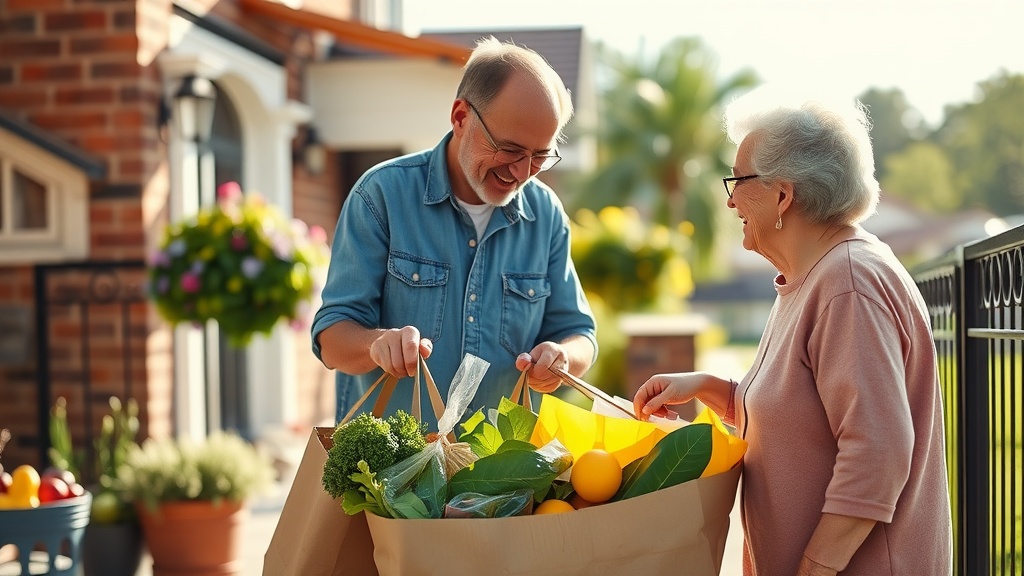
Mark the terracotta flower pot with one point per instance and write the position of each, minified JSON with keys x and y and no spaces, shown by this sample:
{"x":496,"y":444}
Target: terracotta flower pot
{"x":194,"y":538}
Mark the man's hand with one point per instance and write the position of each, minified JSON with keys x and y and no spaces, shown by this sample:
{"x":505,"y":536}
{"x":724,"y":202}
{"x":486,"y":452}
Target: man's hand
{"x":397,"y":351}
{"x":544,"y":356}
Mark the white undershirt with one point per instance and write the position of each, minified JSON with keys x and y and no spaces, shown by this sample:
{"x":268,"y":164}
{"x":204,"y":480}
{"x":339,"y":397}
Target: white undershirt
{"x":480,"y":214}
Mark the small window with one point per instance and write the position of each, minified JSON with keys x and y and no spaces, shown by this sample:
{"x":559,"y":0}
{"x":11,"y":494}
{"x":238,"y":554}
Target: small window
{"x":43,"y":205}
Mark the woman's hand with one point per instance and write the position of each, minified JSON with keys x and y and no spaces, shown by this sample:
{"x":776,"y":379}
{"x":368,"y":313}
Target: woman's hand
{"x":663,"y":390}
{"x":397,"y":351}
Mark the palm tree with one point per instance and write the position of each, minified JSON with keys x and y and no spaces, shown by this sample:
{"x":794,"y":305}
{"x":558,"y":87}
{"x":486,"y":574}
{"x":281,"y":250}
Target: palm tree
{"x":661,"y":141}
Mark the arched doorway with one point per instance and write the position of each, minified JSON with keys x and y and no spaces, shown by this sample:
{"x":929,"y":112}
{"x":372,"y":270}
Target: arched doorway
{"x":227,"y":149}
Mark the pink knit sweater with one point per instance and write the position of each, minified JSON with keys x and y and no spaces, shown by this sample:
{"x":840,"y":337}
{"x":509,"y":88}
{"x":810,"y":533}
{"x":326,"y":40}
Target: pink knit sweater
{"x":842,"y":414}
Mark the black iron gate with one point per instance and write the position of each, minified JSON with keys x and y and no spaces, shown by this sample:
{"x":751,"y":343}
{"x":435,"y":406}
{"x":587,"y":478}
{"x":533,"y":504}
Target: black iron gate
{"x":91,"y":338}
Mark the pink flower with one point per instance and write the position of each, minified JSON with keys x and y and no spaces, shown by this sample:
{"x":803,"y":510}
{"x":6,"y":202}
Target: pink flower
{"x":238,"y":240}
{"x":229,"y":192}
{"x":190,"y":283}
{"x":317,"y":234}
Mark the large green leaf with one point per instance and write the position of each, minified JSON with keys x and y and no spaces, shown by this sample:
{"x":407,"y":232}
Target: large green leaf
{"x":679,"y":457}
{"x":506,"y":472}
{"x":515,"y":422}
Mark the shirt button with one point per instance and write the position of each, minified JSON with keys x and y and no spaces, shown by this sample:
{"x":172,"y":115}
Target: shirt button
{"x":472,"y":243}
{"x":415,"y":277}
{"x":472,"y":297}
{"x":470,"y":319}
{"x":530,"y":292}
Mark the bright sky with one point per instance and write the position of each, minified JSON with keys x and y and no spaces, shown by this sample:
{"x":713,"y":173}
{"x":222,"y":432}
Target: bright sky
{"x":935,"y":51}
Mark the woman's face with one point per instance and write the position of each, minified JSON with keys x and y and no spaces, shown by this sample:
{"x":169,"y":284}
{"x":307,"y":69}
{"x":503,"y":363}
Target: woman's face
{"x":754,"y":203}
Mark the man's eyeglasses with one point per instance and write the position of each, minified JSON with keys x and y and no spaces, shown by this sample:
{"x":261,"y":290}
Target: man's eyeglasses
{"x":539,"y":162}
{"x":732,"y":182}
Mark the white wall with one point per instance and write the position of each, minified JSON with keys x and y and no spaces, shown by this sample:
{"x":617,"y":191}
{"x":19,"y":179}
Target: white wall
{"x":381,"y":103}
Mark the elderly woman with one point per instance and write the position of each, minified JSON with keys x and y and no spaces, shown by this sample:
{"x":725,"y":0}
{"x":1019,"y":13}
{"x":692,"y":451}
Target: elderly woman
{"x":841,"y":410}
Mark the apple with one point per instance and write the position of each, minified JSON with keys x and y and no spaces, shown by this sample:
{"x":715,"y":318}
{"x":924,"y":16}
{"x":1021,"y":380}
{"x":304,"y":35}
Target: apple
{"x":52,"y":489}
{"x":64,"y":475}
{"x":106,"y":508}
{"x":75,"y":490}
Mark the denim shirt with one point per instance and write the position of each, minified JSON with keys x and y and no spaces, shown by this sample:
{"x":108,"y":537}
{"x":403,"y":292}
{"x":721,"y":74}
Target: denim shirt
{"x":405,"y":253}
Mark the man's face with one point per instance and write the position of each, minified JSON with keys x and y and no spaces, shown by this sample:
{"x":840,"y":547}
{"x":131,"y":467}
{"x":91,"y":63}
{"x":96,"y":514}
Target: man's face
{"x":497,"y":156}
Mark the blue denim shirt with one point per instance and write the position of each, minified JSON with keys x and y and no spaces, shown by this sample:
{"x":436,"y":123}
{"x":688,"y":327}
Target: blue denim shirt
{"x":405,"y":253}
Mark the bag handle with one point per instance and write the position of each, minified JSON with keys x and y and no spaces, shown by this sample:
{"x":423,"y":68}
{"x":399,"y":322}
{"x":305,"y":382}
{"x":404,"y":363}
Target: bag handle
{"x":522,"y":388}
{"x":590,"y":391}
{"x":388,"y":382}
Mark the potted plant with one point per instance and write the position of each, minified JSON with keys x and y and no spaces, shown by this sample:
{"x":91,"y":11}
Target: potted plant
{"x":112,"y":544}
{"x":191,"y":498}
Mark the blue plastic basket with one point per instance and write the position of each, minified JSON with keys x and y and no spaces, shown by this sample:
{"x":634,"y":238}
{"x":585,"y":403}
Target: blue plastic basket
{"x":48,"y":527}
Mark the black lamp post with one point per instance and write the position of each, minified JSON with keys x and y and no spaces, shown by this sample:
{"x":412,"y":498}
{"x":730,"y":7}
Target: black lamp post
{"x":194,"y":102}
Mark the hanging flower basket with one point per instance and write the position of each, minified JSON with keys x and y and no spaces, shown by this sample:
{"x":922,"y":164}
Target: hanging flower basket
{"x":241,"y":263}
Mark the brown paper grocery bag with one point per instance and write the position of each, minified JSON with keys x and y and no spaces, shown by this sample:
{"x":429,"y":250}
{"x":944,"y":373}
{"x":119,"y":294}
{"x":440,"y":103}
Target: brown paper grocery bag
{"x":314,"y":536}
{"x":677,"y":530}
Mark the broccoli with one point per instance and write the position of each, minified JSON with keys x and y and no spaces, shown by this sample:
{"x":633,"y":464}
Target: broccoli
{"x":409,"y":434}
{"x":365,"y":437}
{"x":378,"y":442}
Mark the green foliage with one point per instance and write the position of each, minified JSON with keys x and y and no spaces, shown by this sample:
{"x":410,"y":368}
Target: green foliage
{"x":659,"y":134}
{"x":922,"y":175}
{"x":62,"y":453}
{"x":368,"y":496}
{"x":985,"y":141}
{"x":221,"y":467}
{"x":240,"y":263}
{"x":510,"y":470}
{"x":626,"y":265}
{"x":894,"y":125}
{"x":679,"y":457}
{"x":512,"y":425}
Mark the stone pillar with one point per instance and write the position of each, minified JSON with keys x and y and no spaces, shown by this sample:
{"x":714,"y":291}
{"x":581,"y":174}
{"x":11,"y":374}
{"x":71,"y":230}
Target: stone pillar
{"x":661,"y":343}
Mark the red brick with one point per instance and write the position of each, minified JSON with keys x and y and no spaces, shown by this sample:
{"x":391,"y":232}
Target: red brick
{"x":61,"y":121}
{"x":98,"y":143}
{"x":110,"y":44}
{"x":20,"y":48}
{"x":115,"y":70}
{"x":131,"y":167}
{"x":19,"y":23}
{"x":82,"y":95}
{"x":128,"y":118}
{"x":71,"y":21}
{"x":124,"y":20}
{"x":33,"y":5}
{"x":51,"y":72}
{"x":100,"y":213}
{"x":22,"y":97}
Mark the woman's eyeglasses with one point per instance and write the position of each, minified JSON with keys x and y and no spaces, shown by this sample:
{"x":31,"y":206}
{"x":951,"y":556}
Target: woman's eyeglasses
{"x":732,"y":182}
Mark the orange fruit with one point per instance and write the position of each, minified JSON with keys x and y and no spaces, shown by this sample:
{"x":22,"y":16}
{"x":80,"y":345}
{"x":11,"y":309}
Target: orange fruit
{"x":579,"y":503}
{"x":596,"y":476}
{"x":553,"y":506}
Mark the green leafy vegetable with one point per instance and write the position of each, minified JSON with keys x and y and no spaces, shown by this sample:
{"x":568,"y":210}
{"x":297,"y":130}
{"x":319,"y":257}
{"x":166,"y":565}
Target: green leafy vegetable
{"x":681,"y":456}
{"x":510,"y":422}
{"x":368,"y":496}
{"x":509,"y":471}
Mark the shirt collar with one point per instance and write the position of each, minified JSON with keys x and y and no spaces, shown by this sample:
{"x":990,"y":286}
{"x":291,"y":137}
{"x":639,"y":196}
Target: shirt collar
{"x":439,"y":187}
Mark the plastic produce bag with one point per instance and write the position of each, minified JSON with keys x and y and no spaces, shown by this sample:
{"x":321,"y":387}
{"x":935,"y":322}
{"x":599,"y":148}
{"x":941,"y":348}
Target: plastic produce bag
{"x":417,"y":486}
{"x":474,"y":505}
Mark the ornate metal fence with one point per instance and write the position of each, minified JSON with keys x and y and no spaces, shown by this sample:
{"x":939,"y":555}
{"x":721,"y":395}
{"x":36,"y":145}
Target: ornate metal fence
{"x":975,"y":295}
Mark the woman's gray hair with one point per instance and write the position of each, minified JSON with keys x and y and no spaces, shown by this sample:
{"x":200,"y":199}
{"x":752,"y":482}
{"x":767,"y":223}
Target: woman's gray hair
{"x":824,"y":149}
{"x":491,"y":65}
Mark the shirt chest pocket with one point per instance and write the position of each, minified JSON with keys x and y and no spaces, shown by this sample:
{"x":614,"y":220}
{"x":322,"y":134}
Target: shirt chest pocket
{"x":522,"y":312}
{"x":414,"y":294}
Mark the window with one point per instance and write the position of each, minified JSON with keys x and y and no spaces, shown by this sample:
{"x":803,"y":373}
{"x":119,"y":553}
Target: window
{"x":43,"y":205}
